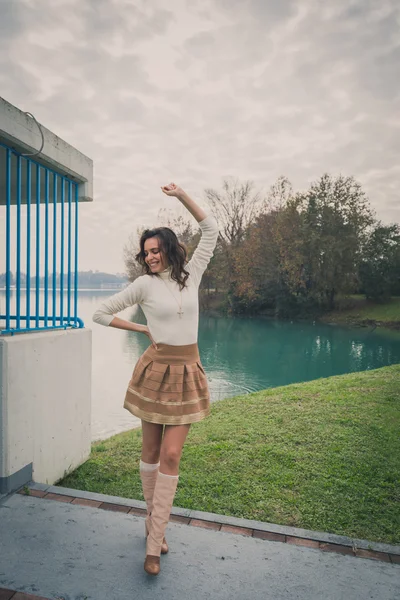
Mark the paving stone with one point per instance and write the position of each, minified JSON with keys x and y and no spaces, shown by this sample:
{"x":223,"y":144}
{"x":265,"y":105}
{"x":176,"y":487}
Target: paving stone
{"x":86,"y":502}
{"x":371,"y":554}
{"x":302,"y":542}
{"x":36,"y":493}
{"x":336,"y":548}
{"x":179,"y":519}
{"x":205,"y":524}
{"x":268,"y":535}
{"x":395,"y":558}
{"x":140,"y":512}
{"x":114,"y":507}
{"x":58,"y":497}
{"x":239,"y":530}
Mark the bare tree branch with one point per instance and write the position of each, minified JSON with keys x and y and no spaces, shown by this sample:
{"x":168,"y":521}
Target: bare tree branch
{"x":234,"y":209}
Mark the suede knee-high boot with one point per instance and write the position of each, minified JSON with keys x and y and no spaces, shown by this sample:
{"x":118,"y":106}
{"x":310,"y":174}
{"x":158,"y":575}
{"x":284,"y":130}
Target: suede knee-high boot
{"x":163,"y":498}
{"x":148,"y":475}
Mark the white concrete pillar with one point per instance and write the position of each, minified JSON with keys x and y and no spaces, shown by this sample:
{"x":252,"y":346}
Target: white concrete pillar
{"x":45,"y":405}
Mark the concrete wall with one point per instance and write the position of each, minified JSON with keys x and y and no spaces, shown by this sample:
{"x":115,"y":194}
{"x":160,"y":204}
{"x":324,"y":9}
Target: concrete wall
{"x":45,"y":405}
{"x":20,"y":132}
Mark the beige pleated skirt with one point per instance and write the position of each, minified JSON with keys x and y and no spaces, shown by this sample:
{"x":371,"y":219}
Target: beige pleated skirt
{"x":169,"y":386}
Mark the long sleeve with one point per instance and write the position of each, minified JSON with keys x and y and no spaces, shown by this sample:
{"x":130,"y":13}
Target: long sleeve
{"x":131,"y":295}
{"x":205,"y":249}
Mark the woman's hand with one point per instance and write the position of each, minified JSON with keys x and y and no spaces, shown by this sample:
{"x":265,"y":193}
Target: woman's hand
{"x":146,"y":331}
{"x":172,"y":190}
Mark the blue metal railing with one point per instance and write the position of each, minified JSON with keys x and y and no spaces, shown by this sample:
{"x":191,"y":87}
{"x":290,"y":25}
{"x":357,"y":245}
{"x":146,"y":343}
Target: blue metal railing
{"x":28,"y":186}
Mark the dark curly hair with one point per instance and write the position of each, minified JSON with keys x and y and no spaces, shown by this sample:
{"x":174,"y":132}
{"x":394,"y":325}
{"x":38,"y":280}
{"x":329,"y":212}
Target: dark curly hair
{"x":174,"y":251}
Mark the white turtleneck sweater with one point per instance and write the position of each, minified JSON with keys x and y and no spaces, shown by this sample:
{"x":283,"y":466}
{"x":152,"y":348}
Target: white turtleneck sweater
{"x":159,"y":296}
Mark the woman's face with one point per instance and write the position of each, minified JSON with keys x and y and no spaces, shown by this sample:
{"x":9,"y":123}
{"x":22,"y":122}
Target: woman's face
{"x":154,"y":256}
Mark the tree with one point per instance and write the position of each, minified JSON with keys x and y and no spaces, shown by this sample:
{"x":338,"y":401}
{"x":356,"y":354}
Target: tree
{"x":380,"y":264}
{"x":256,"y":266}
{"x":269,"y":263}
{"x":3,"y":279}
{"x":303,"y":248}
{"x":235,"y":208}
{"x":337,"y":217}
{"x":278,"y":194}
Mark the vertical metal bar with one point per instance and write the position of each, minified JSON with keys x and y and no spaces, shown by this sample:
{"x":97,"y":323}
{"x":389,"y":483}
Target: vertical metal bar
{"x":62,"y":253}
{"x":46,"y":246}
{"x":28,"y":242}
{"x":33,"y":196}
{"x":76,"y":257}
{"x":37,"y":242}
{"x":54,"y":247}
{"x":8,"y":237}
{"x":18,"y":249}
{"x":69,"y":249}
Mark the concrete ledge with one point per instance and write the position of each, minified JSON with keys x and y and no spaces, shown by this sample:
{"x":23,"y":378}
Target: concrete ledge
{"x":20,"y":132}
{"x":223,"y":520}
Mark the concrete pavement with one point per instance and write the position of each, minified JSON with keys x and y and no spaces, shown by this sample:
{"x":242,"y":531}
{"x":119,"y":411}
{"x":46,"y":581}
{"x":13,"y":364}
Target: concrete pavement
{"x":66,"y":551}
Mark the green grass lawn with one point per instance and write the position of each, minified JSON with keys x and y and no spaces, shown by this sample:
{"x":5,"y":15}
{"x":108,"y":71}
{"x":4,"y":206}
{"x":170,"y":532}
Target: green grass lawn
{"x":357,"y":308}
{"x":323,"y":455}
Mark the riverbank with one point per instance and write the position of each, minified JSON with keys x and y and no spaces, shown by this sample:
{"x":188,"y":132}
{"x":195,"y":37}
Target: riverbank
{"x":321,"y":455}
{"x":358,"y":312}
{"x":352,"y":310}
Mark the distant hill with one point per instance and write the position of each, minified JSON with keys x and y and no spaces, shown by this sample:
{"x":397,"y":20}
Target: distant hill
{"x":86,"y":279}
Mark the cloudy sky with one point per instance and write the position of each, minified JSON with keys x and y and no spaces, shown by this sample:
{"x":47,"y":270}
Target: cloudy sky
{"x":193,"y":91}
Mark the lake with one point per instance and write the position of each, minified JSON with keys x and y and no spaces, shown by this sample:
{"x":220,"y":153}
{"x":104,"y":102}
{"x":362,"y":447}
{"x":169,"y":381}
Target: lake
{"x":240,"y":355}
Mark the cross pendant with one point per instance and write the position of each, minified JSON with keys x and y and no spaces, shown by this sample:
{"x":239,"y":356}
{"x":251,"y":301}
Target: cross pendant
{"x":180,"y":313}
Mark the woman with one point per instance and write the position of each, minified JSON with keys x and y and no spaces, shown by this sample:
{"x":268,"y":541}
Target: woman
{"x":168,"y":390}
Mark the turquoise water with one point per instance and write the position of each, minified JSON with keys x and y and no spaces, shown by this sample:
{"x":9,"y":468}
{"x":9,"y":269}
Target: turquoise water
{"x":259,"y":353}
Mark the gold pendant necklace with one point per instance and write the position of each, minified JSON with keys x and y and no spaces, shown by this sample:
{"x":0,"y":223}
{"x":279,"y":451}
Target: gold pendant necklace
{"x":180,"y":311}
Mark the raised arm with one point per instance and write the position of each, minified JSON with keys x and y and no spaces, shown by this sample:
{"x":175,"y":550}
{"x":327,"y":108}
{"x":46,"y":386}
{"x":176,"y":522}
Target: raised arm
{"x":209,"y":228}
{"x":174,"y":190}
{"x":205,"y":249}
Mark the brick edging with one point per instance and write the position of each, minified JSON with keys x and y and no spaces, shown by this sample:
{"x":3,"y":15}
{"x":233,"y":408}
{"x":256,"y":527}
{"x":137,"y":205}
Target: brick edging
{"x":195,"y":521}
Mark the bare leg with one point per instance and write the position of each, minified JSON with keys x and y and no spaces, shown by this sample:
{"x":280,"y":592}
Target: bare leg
{"x":171,"y":448}
{"x":164,"y":493}
{"x":151,"y":441}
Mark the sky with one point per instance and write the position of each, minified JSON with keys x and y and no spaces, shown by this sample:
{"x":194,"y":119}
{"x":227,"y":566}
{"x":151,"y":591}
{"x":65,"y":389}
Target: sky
{"x":195,"y":91}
